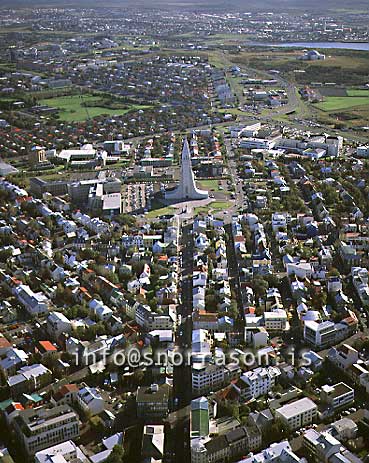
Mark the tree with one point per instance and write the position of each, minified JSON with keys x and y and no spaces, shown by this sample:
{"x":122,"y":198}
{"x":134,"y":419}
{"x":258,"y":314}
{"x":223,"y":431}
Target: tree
{"x":5,"y":254}
{"x":138,"y":376}
{"x":233,"y":310}
{"x":260,"y":286}
{"x":58,"y":257}
{"x":333,"y":272}
{"x":278,"y":431}
{"x":125,"y":220}
{"x":116,"y":456}
{"x":278,"y":388}
{"x":227,"y":408}
{"x":245,"y":410}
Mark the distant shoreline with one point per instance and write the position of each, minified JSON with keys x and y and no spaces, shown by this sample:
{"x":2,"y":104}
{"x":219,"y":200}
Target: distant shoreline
{"x":359,"y":45}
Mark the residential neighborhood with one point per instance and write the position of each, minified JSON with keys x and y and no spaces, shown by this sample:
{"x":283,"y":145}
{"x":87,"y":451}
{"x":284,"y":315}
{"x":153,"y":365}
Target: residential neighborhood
{"x":184,"y":234}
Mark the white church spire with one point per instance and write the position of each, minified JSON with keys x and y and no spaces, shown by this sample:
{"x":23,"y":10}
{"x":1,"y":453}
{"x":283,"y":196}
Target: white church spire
{"x":186,"y":190}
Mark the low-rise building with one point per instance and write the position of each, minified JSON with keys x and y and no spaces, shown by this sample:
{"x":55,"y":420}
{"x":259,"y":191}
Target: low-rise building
{"x":320,"y":335}
{"x":34,"y":303}
{"x":153,"y":402}
{"x":28,"y":379}
{"x":39,"y":428}
{"x":62,"y":453}
{"x":297,"y":414}
{"x":257,"y":382}
{"x":343,"y":356}
{"x":206,"y":378}
{"x":338,"y":395}
{"x":279,"y":452}
{"x":90,"y":400}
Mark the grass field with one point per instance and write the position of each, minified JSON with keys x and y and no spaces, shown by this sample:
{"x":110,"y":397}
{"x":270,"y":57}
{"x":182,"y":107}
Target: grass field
{"x":209,"y":185}
{"x":71,"y":109}
{"x":358,"y":92}
{"x":217,"y":207}
{"x":335,"y":103}
{"x":158,"y":212}
{"x":220,"y":205}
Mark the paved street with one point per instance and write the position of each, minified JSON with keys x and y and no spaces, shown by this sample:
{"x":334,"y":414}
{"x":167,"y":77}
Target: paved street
{"x":182,"y":380}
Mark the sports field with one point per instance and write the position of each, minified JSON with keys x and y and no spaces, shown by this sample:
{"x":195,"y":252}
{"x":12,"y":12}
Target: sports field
{"x":359,"y":92}
{"x":335,"y":103}
{"x":71,"y":108}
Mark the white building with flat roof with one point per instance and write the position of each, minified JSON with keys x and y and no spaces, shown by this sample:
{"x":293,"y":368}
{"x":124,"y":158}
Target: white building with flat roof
{"x":297,"y":414}
{"x":62,"y":453}
{"x":319,"y":335}
{"x":276,"y":320}
{"x":206,"y":378}
{"x":338,"y":395}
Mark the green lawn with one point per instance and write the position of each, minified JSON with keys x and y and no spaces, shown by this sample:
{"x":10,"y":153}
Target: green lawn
{"x":334,"y":103}
{"x":220,"y":205}
{"x":215,"y":206}
{"x":71,"y":109}
{"x":209,"y":185}
{"x":234,"y":111}
{"x":213,"y":187}
{"x":358,"y":92}
{"x":201,"y":210}
{"x":158,"y":212}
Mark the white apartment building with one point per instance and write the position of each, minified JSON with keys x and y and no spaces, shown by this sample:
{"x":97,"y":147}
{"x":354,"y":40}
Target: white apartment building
{"x":257,"y":143}
{"x":319,"y":335}
{"x":259,"y":381}
{"x":206,"y":378}
{"x":297,"y":414}
{"x":90,"y":400}
{"x":360,"y":282}
{"x":150,"y":320}
{"x":61,"y":453}
{"x":279,"y":221}
{"x":34,"y":303}
{"x":338,"y":395}
{"x":57,"y":324}
{"x":39,"y":428}
{"x":276,"y":320}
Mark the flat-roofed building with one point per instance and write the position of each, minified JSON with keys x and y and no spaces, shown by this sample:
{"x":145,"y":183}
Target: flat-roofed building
{"x":199,"y":417}
{"x":38,"y":429}
{"x":206,"y":378}
{"x":297,"y":414}
{"x":62,"y":453}
{"x":338,"y":395}
{"x":319,"y":335}
{"x":153,"y":401}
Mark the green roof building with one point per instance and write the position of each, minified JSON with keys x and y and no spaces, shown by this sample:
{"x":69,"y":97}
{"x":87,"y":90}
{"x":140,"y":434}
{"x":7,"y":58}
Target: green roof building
{"x":200,"y":417}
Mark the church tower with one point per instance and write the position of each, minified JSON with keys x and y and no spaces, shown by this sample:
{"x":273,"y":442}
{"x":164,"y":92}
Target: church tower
{"x":186,"y":190}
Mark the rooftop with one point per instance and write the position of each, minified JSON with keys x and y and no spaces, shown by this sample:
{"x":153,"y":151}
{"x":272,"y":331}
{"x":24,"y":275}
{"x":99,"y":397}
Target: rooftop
{"x":297,"y":407}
